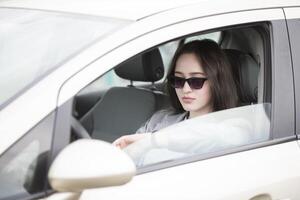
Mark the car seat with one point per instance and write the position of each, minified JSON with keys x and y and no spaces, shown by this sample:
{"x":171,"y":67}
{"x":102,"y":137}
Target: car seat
{"x":245,"y":72}
{"x":122,"y":110}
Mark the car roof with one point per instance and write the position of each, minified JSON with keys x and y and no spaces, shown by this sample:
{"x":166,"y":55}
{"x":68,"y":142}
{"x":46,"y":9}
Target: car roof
{"x":138,"y":9}
{"x":124,"y":9}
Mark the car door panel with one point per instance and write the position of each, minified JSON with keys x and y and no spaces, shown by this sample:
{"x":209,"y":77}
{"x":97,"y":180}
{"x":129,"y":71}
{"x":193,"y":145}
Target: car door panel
{"x":272,"y":170}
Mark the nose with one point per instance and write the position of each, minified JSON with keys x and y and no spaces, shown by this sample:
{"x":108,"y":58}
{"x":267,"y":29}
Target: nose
{"x":186,"y":88}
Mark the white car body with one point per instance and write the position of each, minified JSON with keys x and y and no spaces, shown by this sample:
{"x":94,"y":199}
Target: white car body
{"x":272,"y":170}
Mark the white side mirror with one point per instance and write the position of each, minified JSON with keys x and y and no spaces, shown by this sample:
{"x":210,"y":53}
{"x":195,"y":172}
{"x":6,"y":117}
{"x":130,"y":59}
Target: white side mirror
{"x":88,"y":163}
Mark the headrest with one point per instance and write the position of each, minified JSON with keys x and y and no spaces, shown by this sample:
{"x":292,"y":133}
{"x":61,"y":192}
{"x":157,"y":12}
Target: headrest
{"x":146,"y":67}
{"x":245,"y":72}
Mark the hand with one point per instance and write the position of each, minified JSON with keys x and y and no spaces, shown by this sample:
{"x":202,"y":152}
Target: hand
{"x":126,"y":140}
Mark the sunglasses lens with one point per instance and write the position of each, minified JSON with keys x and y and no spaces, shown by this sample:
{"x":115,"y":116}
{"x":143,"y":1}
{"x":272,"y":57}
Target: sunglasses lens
{"x":177,"y":82}
{"x":196,"y":83}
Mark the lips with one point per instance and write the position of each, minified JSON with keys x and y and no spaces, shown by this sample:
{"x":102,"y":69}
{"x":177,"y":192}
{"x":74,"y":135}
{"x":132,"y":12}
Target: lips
{"x":188,"y":99}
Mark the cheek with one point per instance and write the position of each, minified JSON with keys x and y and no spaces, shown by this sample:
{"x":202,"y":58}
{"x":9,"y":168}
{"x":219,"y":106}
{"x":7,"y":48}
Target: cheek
{"x":204,"y":93}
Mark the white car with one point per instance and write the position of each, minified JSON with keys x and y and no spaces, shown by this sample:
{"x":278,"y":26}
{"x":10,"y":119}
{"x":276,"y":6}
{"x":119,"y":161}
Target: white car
{"x":75,"y":75}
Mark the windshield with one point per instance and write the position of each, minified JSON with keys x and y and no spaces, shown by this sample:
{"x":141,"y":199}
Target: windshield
{"x":205,"y":134}
{"x":33,"y":43}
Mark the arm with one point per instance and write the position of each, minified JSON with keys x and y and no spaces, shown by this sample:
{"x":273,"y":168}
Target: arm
{"x":149,"y":127}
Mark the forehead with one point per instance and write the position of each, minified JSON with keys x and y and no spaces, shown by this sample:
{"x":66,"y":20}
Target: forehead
{"x":188,"y":63}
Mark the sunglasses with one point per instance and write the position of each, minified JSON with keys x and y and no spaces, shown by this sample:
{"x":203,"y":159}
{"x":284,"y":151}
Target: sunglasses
{"x":194,"y":82}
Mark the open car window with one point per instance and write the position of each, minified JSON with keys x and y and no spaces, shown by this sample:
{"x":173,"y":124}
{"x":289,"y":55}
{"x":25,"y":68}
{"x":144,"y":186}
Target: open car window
{"x":205,"y":134}
{"x":121,"y":101}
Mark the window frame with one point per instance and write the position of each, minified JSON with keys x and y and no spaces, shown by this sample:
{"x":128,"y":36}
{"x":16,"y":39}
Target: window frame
{"x":293,"y":25}
{"x":280,"y":39}
{"x":282,"y":128}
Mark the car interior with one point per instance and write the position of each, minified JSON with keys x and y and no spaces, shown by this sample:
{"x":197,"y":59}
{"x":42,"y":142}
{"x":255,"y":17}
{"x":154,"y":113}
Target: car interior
{"x":107,"y":109}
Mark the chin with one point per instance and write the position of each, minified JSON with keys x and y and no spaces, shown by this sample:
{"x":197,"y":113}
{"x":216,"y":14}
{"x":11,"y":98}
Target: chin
{"x":188,"y":108}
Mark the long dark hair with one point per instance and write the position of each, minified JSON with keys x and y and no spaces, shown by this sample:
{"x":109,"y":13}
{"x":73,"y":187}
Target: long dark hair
{"x":218,"y":71}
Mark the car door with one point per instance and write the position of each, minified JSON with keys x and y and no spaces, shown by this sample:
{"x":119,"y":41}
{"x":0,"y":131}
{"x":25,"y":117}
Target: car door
{"x":263,"y":170}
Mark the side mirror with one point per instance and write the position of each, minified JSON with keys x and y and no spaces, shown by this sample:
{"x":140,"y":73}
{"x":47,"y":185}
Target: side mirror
{"x":88,"y":163}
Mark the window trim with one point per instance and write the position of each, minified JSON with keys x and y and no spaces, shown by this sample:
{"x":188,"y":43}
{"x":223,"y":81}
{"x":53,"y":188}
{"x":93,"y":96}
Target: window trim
{"x":276,"y":136}
{"x":277,"y":30}
{"x":282,"y":125}
{"x":295,"y":52}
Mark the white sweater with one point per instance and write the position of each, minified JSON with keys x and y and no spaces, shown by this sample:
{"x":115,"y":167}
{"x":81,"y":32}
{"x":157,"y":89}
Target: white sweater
{"x":210,"y":133}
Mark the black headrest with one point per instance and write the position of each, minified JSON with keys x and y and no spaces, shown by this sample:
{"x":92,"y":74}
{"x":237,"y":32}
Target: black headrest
{"x":144,"y":67}
{"x":245,"y":72}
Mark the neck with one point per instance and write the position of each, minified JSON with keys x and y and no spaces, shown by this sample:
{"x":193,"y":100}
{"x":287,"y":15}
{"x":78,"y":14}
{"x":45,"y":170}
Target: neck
{"x":201,"y":112}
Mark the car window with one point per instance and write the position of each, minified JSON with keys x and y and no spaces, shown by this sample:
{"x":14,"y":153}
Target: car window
{"x":26,"y":57}
{"x":167,"y":52}
{"x":23,"y":167}
{"x":215,"y":36}
{"x":109,"y":108}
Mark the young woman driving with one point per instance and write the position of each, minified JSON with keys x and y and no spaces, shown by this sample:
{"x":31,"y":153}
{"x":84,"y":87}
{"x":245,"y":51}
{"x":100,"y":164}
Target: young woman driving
{"x":200,"y":81}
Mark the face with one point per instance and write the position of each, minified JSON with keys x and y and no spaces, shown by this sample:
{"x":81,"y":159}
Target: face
{"x":196,"y":101}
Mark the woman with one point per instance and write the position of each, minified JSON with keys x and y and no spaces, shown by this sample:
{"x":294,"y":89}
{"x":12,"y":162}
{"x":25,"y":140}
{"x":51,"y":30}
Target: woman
{"x":200,"y":81}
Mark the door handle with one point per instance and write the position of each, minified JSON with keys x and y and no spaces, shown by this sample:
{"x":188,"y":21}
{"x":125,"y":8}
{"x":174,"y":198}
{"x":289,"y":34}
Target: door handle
{"x":262,"y":197}
{"x":265,"y":197}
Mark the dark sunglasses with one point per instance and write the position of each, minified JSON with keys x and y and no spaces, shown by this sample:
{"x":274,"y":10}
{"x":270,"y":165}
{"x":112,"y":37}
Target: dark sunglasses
{"x":194,"y":82}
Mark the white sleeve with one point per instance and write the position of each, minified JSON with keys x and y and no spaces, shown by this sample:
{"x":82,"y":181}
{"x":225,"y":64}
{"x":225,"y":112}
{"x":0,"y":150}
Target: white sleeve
{"x":206,"y":137}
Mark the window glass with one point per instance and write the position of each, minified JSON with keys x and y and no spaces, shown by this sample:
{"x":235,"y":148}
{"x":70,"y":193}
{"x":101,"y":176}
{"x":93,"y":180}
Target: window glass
{"x":167,"y":52}
{"x":215,"y":36}
{"x":167,"y":133}
{"x":205,"y":134}
{"x":23,"y":167}
{"x":34,"y":42}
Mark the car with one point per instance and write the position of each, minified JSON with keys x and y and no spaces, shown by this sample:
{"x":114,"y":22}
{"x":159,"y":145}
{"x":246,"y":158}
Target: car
{"x":76,"y":75}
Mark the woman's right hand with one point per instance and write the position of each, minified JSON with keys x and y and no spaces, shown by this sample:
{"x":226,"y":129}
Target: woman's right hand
{"x":126,"y":140}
